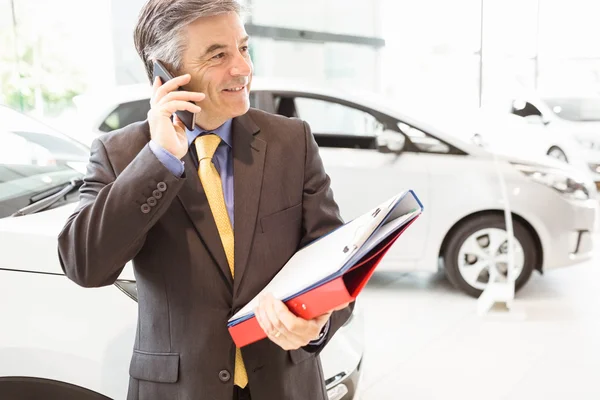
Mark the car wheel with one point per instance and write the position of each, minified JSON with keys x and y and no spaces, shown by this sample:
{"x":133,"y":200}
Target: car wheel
{"x":481,"y":243}
{"x":556,"y":152}
{"x":47,"y":389}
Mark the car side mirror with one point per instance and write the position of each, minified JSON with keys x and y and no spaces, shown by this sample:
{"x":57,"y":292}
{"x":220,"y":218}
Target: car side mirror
{"x":536,"y":120}
{"x":391,"y":142}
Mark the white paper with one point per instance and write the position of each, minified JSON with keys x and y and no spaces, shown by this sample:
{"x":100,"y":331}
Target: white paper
{"x":324,"y":257}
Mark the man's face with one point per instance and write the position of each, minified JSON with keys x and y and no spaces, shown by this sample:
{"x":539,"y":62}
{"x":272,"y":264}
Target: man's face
{"x":218,"y":60}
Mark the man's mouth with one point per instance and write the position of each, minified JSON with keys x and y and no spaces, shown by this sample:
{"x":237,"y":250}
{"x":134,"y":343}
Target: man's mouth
{"x":235,"y":89}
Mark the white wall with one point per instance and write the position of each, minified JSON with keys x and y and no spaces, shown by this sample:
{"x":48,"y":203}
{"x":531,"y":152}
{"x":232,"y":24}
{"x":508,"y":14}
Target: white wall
{"x":336,"y":63}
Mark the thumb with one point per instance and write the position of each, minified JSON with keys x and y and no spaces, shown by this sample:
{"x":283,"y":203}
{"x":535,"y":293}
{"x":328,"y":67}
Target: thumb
{"x":179,"y":126}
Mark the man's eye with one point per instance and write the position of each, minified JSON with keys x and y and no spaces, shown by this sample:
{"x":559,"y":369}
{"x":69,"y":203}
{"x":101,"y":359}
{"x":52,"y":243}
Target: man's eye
{"x":244,"y":48}
{"x":218,"y":56}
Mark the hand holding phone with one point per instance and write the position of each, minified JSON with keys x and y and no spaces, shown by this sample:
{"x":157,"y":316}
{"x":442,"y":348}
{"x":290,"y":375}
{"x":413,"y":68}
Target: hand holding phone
{"x":168,"y":101}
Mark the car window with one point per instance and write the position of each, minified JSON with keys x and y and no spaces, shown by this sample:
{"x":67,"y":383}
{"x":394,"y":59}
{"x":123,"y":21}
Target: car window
{"x":423,"y":141}
{"x":33,"y":160}
{"x":327,"y":117}
{"x":333,"y":124}
{"x":577,"y":109}
{"x":125,"y":114}
{"x":524,"y":109}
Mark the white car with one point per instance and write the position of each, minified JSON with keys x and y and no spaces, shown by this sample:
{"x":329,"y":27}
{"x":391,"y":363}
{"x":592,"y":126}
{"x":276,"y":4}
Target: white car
{"x":512,"y":135}
{"x":574,"y":117}
{"x":61,"y":341}
{"x":372,"y":151}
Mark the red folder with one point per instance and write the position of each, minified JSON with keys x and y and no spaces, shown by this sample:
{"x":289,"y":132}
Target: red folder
{"x":326,"y":297}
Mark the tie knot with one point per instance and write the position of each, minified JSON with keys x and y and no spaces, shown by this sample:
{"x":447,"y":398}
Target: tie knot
{"x":206,"y":145}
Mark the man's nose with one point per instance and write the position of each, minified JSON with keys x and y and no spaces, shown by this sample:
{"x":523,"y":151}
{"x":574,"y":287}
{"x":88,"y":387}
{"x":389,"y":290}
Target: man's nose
{"x":242,"y":66}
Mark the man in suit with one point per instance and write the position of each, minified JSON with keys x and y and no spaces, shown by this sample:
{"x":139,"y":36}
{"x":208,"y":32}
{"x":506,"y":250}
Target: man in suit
{"x":208,"y":216}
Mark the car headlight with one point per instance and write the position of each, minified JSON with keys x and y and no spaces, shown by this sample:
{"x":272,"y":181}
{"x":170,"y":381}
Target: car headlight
{"x":559,"y":180}
{"x":595,"y":168}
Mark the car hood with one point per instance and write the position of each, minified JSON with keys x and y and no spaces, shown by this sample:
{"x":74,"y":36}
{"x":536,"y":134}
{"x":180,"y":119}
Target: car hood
{"x":589,"y":130}
{"x":546,"y":163}
{"x":29,"y":243}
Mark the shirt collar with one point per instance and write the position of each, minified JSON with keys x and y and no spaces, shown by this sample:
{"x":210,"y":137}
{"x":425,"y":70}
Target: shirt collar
{"x":224,"y":132}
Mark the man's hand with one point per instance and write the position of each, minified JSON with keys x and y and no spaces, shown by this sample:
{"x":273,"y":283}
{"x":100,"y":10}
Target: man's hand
{"x":284,"y":328}
{"x":166,"y":99}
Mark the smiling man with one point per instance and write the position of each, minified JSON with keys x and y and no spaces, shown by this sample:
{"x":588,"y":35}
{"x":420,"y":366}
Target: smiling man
{"x":207,"y":215}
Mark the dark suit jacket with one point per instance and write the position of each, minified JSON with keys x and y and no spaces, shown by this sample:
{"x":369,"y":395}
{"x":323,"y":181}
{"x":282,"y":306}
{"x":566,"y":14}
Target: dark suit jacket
{"x":182,"y":349}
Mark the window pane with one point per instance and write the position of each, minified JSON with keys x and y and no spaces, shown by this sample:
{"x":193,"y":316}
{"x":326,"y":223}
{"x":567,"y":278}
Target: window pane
{"x":569,"y":28}
{"x":434,"y":81}
{"x":327,"y":117}
{"x":332,"y":64}
{"x":576,"y":109}
{"x":510,"y":28}
{"x":425,"y":26}
{"x":354,"y":17}
{"x":569,"y":77}
{"x":505,"y":78}
{"x":126,"y":114}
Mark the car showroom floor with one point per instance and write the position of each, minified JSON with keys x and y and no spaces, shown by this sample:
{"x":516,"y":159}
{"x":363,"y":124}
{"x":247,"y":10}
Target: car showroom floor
{"x":425,"y":341}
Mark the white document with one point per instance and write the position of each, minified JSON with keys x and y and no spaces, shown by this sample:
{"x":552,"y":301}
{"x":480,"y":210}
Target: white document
{"x":327,"y":255}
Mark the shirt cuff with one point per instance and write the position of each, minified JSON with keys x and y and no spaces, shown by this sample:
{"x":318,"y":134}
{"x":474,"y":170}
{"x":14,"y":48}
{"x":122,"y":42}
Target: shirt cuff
{"x":171,"y":162}
{"x":322,"y":336}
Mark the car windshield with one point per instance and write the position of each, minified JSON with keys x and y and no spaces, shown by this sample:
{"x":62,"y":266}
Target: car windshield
{"x":575,"y":109}
{"x":35,"y":161}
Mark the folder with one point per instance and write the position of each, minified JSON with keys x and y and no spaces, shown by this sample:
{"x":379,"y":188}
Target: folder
{"x":333,"y":269}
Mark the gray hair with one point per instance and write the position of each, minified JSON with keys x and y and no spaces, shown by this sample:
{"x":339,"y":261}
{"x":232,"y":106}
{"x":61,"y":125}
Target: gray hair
{"x":158,"y":32}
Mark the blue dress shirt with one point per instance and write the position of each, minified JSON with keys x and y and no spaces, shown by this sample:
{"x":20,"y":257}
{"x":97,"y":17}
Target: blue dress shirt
{"x":223,"y":161}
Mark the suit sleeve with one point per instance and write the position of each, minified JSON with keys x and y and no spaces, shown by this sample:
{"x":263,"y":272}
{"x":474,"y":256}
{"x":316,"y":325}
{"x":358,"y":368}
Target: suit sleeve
{"x":115,"y":213}
{"x":321,"y":215}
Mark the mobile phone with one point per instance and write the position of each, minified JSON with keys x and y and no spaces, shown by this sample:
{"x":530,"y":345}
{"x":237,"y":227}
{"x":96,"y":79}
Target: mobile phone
{"x":188,"y":118}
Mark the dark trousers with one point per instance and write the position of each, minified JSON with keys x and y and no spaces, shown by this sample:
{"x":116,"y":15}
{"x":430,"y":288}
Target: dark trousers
{"x":241,"y":394}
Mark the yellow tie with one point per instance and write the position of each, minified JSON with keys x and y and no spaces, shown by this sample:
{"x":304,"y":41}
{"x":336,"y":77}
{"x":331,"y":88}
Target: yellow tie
{"x":206,"y":145}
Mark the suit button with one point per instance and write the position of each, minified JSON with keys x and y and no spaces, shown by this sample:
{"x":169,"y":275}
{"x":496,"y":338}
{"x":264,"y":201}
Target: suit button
{"x":145,"y":208}
{"x":224,"y":376}
{"x":152,"y":201}
{"x":161,"y":186}
{"x":157,"y":194}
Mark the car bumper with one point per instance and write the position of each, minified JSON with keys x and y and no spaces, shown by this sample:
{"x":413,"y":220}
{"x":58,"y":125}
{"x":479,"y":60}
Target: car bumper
{"x":342,"y":358}
{"x":565,"y":229}
{"x":590,"y":162}
{"x":345,"y":387}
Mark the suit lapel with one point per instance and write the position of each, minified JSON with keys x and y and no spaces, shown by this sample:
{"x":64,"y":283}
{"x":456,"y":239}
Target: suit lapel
{"x":196,"y":205}
{"x":248,"y":165}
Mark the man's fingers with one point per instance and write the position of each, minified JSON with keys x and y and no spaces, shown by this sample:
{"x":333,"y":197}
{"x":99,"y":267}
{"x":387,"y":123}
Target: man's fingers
{"x":170,"y":86}
{"x":321,"y":320}
{"x":185,"y":96}
{"x":156,"y":84}
{"x":264,"y":319}
{"x":284,"y":336}
{"x":289,"y":321}
{"x":178,"y":123}
{"x":169,"y":108}
{"x":278,"y":326}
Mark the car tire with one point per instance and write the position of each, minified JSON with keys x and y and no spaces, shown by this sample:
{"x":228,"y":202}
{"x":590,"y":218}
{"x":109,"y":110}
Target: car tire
{"x":526,"y":257}
{"x":558,"y":154}
{"x":38,"y":388}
